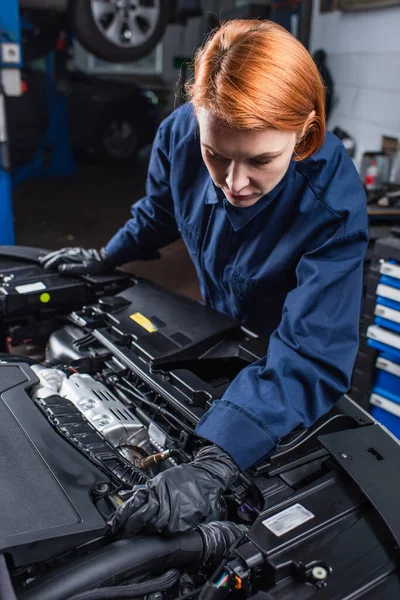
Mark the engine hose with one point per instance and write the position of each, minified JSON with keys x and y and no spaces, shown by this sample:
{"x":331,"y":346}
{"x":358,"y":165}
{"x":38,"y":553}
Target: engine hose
{"x":158,"y":409}
{"x":17,"y":358}
{"x":157,"y":584}
{"x":134,"y":556}
{"x":6,"y":587}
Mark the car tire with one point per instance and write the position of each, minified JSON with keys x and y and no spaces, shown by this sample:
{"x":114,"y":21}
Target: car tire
{"x":103,"y":29}
{"x":117,"y":139}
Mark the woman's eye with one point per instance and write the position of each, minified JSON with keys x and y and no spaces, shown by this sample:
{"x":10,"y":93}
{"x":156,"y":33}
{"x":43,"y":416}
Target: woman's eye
{"x":262,"y":162}
{"x":216,"y":156}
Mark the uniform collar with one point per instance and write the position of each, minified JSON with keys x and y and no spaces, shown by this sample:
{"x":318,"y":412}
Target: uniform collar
{"x":239,"y":217}
{"x":214,"y":194}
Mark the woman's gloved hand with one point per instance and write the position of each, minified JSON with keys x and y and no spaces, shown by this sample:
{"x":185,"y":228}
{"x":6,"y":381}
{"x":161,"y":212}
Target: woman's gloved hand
{"x":178,"y":499}
{"x":77,"y":261}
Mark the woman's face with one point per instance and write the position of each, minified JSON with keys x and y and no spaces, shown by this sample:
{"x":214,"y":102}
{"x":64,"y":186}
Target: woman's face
{"x":246,"y":165}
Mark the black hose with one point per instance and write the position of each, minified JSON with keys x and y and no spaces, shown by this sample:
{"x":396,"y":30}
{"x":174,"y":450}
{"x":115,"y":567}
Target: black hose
{"x":138,"y":393}
{"x":158,"y":409}
{"x":191,"y":594}
{"x":156,"y":584}
{"x":116,"y":562}
{"x":129,"y":557}
{"x":6,"y":587}
{"x":17,"y":358}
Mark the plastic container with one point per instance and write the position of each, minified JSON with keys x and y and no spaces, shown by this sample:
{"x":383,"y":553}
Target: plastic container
{"x":390,"y":268}
{"x":390,"y":281}
{"x":390,"y":421}
{"x":381,"y":335}
{"x":388,"y":384}
{"x":383,"y":348}
{"x":372,"y":176}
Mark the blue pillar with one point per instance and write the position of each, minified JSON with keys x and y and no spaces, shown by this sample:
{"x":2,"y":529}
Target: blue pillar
{"x":7,"y":236}
{"x":10,"y":64}
{"x":57,"y":136}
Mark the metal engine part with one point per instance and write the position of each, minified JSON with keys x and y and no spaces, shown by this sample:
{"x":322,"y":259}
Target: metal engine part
{"x":98,"y":404}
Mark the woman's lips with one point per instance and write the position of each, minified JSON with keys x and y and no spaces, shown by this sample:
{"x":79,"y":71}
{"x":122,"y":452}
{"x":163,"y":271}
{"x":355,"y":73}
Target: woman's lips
{"x":240,"y":198}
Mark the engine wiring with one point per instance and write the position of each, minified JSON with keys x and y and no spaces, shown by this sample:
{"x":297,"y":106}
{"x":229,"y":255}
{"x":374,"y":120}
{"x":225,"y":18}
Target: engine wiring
{"x":227,"y":580}
{"x":132,"y":391}
{"x":109,"y":500}
{"x":194,"y":593}
{"x":128,"y":591}
{"x":223,"y":582}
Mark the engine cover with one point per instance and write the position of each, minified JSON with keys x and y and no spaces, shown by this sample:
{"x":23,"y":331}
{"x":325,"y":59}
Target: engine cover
{"x":45,"y":503}
{"x":98,"y":404}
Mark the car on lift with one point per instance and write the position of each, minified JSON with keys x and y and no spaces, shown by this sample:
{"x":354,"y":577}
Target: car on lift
{"x":109,"y":119}
{"x":115,"y":30}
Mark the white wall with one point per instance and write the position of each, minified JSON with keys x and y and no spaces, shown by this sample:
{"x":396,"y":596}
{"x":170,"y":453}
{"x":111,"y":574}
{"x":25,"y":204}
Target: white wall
{"x":183,"y":41}
{"x":364,"y":58}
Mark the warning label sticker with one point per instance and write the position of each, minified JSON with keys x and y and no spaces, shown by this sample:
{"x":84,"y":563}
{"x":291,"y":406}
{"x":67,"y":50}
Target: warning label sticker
{"x":143,"y":322}
{"x":288,"y":519}
{"x":28,"y":288}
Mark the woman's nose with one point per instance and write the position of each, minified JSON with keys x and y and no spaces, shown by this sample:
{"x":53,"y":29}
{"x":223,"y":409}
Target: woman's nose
{"x":237,"y":178}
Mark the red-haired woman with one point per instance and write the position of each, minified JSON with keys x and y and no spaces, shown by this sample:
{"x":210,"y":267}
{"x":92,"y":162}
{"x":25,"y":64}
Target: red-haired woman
{"x":273,"y":213}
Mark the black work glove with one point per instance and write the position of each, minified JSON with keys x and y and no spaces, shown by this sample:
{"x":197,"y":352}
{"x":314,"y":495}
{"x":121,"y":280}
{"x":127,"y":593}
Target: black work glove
{"x":77,"y":261}
{"x":178,"y":499}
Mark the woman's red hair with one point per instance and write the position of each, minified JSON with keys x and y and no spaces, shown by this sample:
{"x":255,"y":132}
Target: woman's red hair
{"x":254,"y":74}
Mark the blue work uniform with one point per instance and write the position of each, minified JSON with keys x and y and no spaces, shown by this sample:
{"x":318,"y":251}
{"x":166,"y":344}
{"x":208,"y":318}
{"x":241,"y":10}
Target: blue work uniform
{"x":291,"y":266}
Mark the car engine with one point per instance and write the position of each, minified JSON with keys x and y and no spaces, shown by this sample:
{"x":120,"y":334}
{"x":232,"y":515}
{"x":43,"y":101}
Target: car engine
{"x":129,"y":369}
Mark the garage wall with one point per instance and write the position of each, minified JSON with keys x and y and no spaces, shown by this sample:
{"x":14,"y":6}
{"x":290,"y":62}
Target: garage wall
{"x":181,"y":42}
{"x":364,"y":58}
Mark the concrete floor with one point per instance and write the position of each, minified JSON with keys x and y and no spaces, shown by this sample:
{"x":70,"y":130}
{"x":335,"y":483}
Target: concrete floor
{"x":86,"y":210}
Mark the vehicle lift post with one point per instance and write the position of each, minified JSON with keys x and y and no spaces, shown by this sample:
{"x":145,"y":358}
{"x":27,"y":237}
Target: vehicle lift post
{"x":53,"y":157}
{"x":10,"y":85}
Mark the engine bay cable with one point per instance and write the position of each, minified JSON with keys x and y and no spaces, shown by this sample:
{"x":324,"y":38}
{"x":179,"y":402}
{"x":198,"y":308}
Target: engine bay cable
{"x":17,"y":358}
{"x":192,"y":594}
{"x":127,"y":388}
{"x":156,"y":584}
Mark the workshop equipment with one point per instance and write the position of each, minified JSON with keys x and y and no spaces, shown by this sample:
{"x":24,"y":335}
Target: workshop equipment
{"x":376,"y":377}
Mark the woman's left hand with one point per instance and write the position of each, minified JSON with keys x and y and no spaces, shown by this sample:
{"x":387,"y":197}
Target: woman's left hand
{"x":178,"y":499}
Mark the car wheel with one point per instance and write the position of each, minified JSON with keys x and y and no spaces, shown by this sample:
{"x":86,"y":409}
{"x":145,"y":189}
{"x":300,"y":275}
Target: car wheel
{"x":119,"y":30}
{"x":117,"y":140}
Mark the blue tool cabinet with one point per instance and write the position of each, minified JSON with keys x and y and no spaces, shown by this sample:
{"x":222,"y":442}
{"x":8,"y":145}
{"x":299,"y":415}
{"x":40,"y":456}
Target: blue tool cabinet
{"x":384,"y":337}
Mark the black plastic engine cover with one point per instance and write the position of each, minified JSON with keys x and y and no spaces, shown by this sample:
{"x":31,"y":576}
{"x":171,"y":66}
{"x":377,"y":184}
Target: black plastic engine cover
{"x":338,"y":536}
{"x":45,"y":504}
{"x":26,"y":290}
{"x":164,"y":325}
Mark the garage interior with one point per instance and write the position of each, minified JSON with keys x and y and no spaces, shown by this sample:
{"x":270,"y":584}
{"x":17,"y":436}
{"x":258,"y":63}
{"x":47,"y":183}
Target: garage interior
{"x":56,"y":223}
{"x":73,"y":159}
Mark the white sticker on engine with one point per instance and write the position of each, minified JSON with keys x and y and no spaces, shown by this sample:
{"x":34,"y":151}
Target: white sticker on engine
{"x":288,"y":519}
{"x":30,"y":287}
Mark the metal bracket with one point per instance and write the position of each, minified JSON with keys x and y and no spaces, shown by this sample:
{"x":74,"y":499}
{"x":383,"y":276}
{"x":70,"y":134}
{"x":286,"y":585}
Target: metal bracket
{"x":372,"y":459}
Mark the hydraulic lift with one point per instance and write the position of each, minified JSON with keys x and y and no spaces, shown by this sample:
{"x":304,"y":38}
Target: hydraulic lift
{"x":53,"y":157}
{"x":10,"y":84}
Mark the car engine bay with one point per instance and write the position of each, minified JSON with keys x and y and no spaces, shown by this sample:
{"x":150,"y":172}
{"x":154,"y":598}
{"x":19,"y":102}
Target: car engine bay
{"x":129,"y":370}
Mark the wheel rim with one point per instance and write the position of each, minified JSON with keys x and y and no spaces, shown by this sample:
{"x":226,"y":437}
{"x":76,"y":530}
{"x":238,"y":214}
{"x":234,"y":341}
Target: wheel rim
{"x":126,"y":23}
{"x":120,"y":139}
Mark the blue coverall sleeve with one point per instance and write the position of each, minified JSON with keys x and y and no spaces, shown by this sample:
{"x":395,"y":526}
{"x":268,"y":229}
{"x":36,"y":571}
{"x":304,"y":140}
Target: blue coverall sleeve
{"x":309,"y":361}
{"x":152,"y":225}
